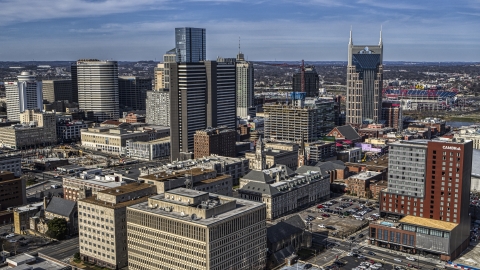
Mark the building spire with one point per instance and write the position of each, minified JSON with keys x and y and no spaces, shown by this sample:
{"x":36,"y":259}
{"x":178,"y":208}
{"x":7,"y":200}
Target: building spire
{"x":380,"y":42}
{"x":351,"y":40}
{"x":239,"y":51}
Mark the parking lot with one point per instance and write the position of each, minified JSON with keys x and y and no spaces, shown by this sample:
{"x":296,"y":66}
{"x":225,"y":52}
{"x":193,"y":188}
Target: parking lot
{"x":16,"y":243}
{"x":340,"y":217}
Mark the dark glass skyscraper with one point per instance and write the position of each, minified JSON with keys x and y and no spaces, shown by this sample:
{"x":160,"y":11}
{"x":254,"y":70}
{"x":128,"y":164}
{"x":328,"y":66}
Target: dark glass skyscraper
{"x":364,"y":83}
{"x":190,"y":45}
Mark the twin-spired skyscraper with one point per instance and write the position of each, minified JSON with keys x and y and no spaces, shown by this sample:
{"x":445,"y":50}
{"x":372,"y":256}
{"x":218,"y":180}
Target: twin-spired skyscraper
{"x":364,"y":83}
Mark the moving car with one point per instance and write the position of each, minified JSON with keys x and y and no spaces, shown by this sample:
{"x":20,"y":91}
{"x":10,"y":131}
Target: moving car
{"x":410,"y":258}
{"x":397,"y":260}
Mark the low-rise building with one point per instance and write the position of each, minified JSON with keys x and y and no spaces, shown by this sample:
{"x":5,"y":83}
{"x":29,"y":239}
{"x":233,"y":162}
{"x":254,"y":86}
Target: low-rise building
{"x":235,"y":167}
{"x":375,"y":131}
{"x":320,"y":150}
{"x":194,"y":178}
{"x":335,"y":168}
{"x":346,"y":132}
{"x":69,"y":131}
{"x":103,"y":224}
{"x":22,"y":215}
{"x":350,"y":154}
{"x":110,"y":140}
{"x":89,"y":183}
{"x":470,"y":133}
{"x":275,"y":156}
{"x":12,"y":190}
{"x":156,"y":149}
{"x":191,"y":229}
{"x":56,"y":208}
{"x":359,"y":184}
{"x":285,"y":191}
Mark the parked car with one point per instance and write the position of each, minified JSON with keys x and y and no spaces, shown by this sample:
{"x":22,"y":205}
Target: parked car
{"x":397,"y":260}
{"x":371,"y":253}
{"x":321,"y":225}
{"x":10,"y":235}
{"x":360,"y":235}
{"x":410,"y":258}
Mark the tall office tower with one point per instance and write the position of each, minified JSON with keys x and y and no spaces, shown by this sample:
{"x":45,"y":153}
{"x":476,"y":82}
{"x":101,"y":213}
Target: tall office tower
{"x":192,"y":229}
{"x":221,"y":94}
{"x":311,"y":81}
{"x":132,"y":92}
{"x":168,"y":57}
{"x":364,"y":83}
{"x":98,"y":88}
{"x":288,"y":121}
{"x":245,"y":87}
{"x":73,"y":73}
{"x":429,"y":194}
{"x":190,"y":45}
{"x":158,"y":108}
{"x":392,"y":114}
{"x":202,"y":94}
{"x":158,"y":76}
{"x":24,"y":94}
{"x":54,"y":90}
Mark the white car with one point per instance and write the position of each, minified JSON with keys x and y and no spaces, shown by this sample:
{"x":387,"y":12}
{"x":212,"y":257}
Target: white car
{"x":321,"y":226}
{"x":10,"y":235}
{"x":349,"y":254}
{"x":378,"y":264}
{"x":397,"y":260}
{"x":12,"y":241}
{"x":410,"y":258}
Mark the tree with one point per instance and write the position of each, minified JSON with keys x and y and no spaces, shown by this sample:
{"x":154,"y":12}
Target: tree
{"x":57,"y":228}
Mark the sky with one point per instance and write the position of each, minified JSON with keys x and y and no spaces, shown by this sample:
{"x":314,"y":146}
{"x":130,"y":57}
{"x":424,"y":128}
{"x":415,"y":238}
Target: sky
{"x":282,"y":30}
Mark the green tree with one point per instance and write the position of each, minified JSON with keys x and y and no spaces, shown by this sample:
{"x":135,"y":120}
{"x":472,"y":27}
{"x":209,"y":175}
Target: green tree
{"x":57,"y":228}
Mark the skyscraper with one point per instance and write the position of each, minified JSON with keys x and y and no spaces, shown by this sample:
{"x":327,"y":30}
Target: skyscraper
{"x":133,"y":92}
{"x":97,"y":83}
{"x":202,"y":94}
{"x":245,"y":87}
{"x":190,"y":45}
{"x":54,"y":90}
{"x":24,"y":94}
{"x":364,"y":83}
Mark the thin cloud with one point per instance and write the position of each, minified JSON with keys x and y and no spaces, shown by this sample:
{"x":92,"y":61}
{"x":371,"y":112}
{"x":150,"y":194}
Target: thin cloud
{"x":14,"y":11}
{"x":396,"y":5}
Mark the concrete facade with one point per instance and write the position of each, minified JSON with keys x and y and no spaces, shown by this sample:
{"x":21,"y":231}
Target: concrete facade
{"x":189,"y":229}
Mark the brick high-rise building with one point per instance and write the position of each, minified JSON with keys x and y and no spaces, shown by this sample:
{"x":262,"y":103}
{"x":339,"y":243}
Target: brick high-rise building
{"x":429,"y":193}
{"x":219,"y":141}
{"x":392,"y":114}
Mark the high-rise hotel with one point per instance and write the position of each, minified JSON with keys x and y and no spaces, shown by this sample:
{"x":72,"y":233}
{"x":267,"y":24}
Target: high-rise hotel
{"x":427,"y":199}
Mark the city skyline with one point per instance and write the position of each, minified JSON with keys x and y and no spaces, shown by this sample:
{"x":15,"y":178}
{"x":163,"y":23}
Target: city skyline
{"x":317,"y":30}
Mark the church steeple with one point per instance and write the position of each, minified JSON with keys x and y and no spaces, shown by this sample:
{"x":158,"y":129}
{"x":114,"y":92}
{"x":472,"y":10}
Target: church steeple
{"x":259,"y":162}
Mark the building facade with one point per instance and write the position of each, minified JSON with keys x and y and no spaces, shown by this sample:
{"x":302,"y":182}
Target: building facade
{"x":190,"y":45}
{"x":151,"y":150}
{"x":110,"y":140}
{"x":215,"y":141}
{"x":97,"y":84}
{"x":311,"y":82}
{"x":190,"y":229}
{"x":12,"y":190}
{"x":201,"y":95}
{"x":429,"y":192}
{"x":158,"y":107}
{"x":36,"y":129}
{"x":287,"y":121}
{"x":364,"y":83}
{"x":132,"y":92}
{"x":24,"y":94}
{"x":11,"y":163}
{"x":102,"y":224}
{"x":284,"y":191}
{"x":245,"y":87}
{"x":89,"y":183}
{"x":70,"y":131}
{"x":55,"y":90}
{"x":392,"y":114}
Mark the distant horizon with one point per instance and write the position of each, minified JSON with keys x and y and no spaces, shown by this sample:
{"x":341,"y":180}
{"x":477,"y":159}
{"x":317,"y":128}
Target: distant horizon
{"x":423,"y":31}
{"x":279,"y":61}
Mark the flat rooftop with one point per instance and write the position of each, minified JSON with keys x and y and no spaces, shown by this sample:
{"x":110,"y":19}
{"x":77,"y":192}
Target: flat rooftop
{"x":212,"y":180}
{"x":429,"y":223}
{"x":240,"y":207}
{"x":365,"y":175}
{"x":93,"y":200}
{"x":166,"y":175}
{"x":187,"y":192}
{"x":125,"y":188}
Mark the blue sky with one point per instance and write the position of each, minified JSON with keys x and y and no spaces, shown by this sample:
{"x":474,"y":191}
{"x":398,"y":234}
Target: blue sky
{"x":314,"y":30}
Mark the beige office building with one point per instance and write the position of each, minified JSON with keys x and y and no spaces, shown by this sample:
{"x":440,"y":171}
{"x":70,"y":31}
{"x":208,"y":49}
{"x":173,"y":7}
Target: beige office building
{"x":110,"y":140}
{"x":190,"y":229}
{"x":37,"y":128}
{"x":102,"y":224}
